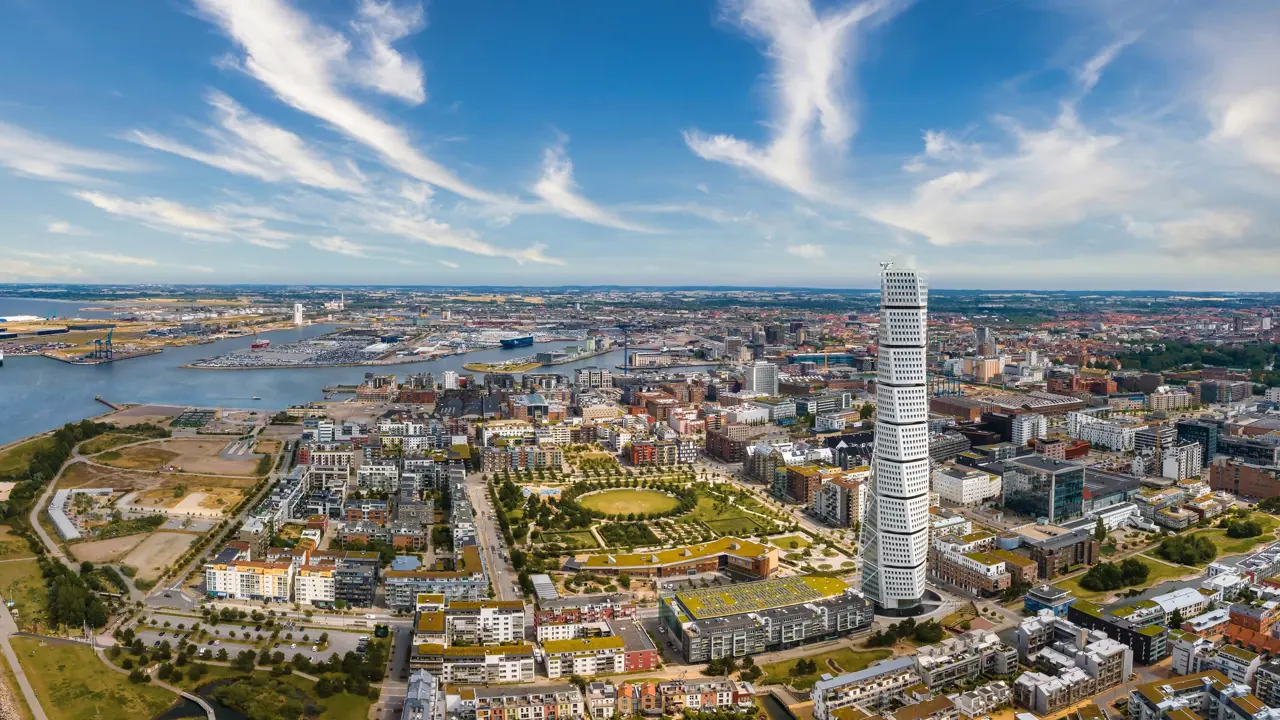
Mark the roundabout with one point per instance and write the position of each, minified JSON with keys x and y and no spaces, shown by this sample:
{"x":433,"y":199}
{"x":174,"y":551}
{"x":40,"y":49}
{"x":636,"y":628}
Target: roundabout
{"x":622,"y":501}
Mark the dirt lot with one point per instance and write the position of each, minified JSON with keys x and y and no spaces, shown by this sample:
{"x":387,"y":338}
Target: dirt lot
{"x":193,"y":455}
{"x":157,"y":552}
{"x":267,"y":447}
{"x":156,"y":414}
{"x":12,"y":546}
{"x":169,"y":491}
{"x":105,"y":551}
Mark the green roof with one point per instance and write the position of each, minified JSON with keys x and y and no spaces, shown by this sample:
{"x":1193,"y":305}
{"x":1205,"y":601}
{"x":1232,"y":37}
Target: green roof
{"x":756,"y":596}
{"x":607,"y":642}
{"x":744,"y":548}
{"x":1152,"y":631}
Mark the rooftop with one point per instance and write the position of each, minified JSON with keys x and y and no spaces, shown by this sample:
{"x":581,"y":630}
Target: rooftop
{"x":756,"y":596}
{"x":734,"y":546}
{"x":591,"y":644}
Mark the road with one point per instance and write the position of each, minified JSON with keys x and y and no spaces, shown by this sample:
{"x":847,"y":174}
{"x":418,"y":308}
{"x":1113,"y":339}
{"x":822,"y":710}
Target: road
{"x":7,"y":629}
{"x":489,"y":536}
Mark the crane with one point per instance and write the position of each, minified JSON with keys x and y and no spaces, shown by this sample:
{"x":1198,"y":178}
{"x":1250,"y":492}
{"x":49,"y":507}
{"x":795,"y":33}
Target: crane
{"x":626,"y":347}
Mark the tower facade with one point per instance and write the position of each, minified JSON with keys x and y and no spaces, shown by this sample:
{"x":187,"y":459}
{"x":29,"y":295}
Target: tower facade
{"x":896,"y":533}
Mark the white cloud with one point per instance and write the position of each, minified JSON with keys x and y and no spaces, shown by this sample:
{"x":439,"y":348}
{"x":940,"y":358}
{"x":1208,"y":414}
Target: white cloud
{"x":1091,"y":72}
{"x":449,"y":264}
{"x":808,"y":251}
{"x":15,"y":269}
{"x":269,"y":244}
{"x":556,"y":188}
{"x":32,"y":155}
{"x":379,"y":25}
{"x":167,"y":215}
{"x":342,"y":246}
{"x":62,"y":227}
{"x":810,"y":55}
{"x":421,"y":228}
{"x":1205,"y":230}
{"x":306,"y":65}
{"x":117,"y":259}
{"x":246,"y":144}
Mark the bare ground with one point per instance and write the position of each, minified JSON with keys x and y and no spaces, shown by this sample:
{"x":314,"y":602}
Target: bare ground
{"x":156,"y":553}
{"x":105,"y":551}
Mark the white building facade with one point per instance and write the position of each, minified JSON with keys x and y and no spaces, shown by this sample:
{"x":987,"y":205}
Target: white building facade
{"x":896,"y":536}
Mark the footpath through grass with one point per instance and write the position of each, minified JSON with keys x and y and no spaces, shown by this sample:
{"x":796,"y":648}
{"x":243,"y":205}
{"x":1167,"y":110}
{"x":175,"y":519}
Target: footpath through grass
{"x":1158,"y":572}
{"x":23,"y":583}
{"x":73,"y":684}
{"x":845,"y":660}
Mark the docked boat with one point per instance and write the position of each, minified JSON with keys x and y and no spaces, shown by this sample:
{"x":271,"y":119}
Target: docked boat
{"x":517,"y":342}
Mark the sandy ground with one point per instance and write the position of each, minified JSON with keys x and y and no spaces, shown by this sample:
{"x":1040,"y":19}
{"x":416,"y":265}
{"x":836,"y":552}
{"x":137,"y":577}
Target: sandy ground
{"x":193,"y":455}
{"x":156,"y":414}
{"x":157,"y":552}
{"x":104,"y":551}
{"x":198,"y":503}
{"x":5,"y":489}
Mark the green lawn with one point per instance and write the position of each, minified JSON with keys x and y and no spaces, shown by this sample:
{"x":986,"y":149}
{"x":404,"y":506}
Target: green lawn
{"x":73,"y":684}
{"x":1159,"y":572}
{"x":735,"y":526}
{"x":575,"y":539}
{"x":621,"y":501}
{"x":23,"y":583}
{"x":337,"y":707}
{"x":784,"y":542}
{"x":1229,"y":545}
{"x":845,"y":660}
{"x":14,"y":460}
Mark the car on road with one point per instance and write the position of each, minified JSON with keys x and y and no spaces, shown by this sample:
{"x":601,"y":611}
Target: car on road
{"x":168,"y":594}
{"x":162,"y":633}
{"x":293,"y":646}
{"x":276,"y":646}
{"x":155,"y":644}
{"x":370,"y":616}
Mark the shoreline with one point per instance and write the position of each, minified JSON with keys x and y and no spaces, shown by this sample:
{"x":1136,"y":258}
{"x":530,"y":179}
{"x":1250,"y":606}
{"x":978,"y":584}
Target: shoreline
{"x":193,"y":366}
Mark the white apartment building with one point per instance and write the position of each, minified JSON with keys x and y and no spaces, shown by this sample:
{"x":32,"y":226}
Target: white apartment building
{"x":1183,"y":461}
{"x":871,"y":688}
{"x":449,"y":380}
{"x":1101,"y":433}
{"x":761,"y":377}
{"x":314,"y":586}
{"x":748,"y":415}
{"x":553,"y":435}
{"x":829,"y":422}
{"x":897,"y":545}
{"x":1272,"y":395}
{"x":486,"y":622}
{"x":494,"y":429}
{"x":585,"y":656}
{"x":965,"y":487}
{"x":1166,"y":398}
{"x":1028,"y":427}
{"x":569,"y":631}
{"x":379,"y":477}
{"x":246,"y":580}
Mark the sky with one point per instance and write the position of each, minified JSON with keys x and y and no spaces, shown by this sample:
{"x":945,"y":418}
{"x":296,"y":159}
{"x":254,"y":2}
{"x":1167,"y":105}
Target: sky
{"x":1032,"y":144}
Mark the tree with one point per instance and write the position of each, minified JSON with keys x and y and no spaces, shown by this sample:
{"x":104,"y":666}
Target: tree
{"x":1100,"y":531}
{"x":1175,"y":620}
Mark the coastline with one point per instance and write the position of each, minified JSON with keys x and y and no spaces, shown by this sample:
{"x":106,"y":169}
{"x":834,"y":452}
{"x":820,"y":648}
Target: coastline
{"x":417,"y":359}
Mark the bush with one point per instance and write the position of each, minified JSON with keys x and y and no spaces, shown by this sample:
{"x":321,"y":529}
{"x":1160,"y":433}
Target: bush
{"x":1244,"y":528}
{"x":1113,"y":576}
{"x":1187,"y":550}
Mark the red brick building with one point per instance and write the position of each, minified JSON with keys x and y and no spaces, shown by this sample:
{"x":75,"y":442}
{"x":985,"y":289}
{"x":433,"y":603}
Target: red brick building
{"x":1244,"y":479}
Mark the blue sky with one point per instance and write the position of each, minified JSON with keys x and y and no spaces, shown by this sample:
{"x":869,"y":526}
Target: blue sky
{"x":1071,"y":144}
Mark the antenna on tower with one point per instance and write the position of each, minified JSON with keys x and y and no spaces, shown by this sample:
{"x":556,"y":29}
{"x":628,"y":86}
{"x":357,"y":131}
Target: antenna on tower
{"x":886,"y":264}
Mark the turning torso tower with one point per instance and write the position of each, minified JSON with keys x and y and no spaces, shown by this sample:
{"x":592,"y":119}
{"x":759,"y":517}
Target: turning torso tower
{"x":896,"y":531}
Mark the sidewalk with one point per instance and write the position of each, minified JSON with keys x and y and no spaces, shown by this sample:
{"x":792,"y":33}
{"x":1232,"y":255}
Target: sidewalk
{"x":7,"y":628}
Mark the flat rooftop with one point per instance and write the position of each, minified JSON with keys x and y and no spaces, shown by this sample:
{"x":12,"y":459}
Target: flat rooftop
{"x":756,"y":596}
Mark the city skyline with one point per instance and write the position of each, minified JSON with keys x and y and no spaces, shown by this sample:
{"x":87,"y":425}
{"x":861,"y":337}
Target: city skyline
{"x":1063,"y":145}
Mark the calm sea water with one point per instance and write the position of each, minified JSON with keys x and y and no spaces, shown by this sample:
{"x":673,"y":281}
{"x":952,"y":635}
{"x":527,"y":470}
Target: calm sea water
{"x":51,"y":308}
{"x":39,"y":394}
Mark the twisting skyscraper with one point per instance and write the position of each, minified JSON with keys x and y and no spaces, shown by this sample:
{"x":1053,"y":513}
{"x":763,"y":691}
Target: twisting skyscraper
{"x":895,"y":536}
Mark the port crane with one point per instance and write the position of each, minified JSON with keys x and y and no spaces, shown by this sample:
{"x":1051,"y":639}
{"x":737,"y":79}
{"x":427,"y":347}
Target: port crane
{"x":103,"y":349}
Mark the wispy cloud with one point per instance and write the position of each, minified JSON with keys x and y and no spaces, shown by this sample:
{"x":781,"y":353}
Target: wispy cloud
{"x":808,"y":251}
{"x":62,"y":227}
{"x":246,"y":144}
{"x":556,"y":188}
{"x":449,"y":264}
{"x":341,"y":246}
{"x":34,"y":155}
{"x":379,"y":25}
{"x":118,"y":259}
{"x":163,"y":214}
{"x":14,"y":269}
{"x":307,"y":66}
{"x":1091,"y":72}
{"x":810,"y":54}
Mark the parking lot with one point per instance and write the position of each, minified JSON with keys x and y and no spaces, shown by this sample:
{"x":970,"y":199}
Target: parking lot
{"x":340,"y":642}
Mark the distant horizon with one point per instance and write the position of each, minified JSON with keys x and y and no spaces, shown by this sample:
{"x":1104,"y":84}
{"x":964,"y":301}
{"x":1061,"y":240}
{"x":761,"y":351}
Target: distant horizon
{"x":613,"y":286}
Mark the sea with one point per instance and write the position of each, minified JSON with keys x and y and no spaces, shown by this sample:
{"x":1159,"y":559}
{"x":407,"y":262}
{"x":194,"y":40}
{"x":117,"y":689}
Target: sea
{"x":39,"y":394}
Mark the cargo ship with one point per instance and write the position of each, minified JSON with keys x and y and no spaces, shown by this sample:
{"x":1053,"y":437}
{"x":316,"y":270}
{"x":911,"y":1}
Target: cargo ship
{"x":259,"y":343}
{"x":525,"y":341}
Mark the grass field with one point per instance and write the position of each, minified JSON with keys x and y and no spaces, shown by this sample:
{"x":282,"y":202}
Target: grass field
{"x":1229,"y":545}
{"x":744,"y":525}
{"x":103,"y":443}
{"x":12,"y":546}
{"x":834,"y":662}
{"x":23,"y":583}
{"x":574,"y":539}
{"x":15,"y":459}
{"x":621,"y":501}
{"x":784,"y":542}
{"x":1159,"y":572}
{"x":74,"y":685}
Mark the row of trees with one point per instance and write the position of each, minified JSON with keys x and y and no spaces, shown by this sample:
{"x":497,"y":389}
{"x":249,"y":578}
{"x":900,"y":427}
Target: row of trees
{"x":925,"y":633}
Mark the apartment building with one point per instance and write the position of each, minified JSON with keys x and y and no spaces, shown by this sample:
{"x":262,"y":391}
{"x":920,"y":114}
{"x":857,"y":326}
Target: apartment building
{"x":966,"y":657}
{"x":544,"y":702}
{"x":475,"y":665}
{"x":967,"y":487}
{"x":250,"y":580}
{"x":677,"y":696}
{"x":585,"y":656}
{"x":1209,"y":695}
{"x":872,"y":688}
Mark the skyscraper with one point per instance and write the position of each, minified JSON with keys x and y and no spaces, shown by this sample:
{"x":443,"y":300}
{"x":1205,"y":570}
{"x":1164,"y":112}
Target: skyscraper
{"x":297,"y":313}
{"x":761,"y":377}
{"x":896,"y":533}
